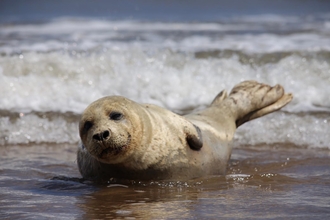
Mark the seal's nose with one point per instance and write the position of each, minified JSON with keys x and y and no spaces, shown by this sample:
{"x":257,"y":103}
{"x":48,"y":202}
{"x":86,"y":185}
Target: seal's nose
{"x":101,"y":136}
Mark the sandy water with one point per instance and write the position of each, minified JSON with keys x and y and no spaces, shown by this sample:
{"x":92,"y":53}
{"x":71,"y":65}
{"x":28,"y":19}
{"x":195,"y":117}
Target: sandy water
{"x":262,"y":182}
{"x":53,"y":64}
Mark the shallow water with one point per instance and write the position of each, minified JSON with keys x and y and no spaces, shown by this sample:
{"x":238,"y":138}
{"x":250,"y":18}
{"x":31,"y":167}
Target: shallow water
{"x":265,"y":182}
{"x":178,"y":56}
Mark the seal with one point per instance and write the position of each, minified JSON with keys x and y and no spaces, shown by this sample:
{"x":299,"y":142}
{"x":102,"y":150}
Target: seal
{"x":123,"y":139}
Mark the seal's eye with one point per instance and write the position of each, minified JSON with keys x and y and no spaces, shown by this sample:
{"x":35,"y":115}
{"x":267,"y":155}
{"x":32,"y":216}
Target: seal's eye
{"x":116,"y":116}
{"x":87,"y":125}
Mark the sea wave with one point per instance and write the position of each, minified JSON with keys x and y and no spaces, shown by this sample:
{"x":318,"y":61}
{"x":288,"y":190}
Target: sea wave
{"x":267,"y":33}
{"x":51,"y":70}
{"x":65,"y":83}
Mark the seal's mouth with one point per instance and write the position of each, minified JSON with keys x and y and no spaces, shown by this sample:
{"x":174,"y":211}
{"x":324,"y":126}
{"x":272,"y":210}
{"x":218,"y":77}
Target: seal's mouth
{"x":112,"y":150}
{"x":115,"y":150}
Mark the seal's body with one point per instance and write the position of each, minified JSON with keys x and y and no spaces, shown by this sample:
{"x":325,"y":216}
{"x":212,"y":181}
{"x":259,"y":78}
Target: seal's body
{"x":123,"y":139}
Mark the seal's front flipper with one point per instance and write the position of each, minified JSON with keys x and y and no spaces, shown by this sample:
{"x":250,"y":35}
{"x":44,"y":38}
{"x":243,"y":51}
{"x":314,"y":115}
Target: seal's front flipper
{"x":194,"y":137}
{"x":253,"y":100}
{"x":90,"y":168}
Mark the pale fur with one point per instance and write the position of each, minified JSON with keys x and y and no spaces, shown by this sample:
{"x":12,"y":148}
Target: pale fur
{"x":158,"y":146}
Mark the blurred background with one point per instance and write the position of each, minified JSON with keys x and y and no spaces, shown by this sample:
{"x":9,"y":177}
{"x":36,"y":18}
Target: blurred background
{"x":171,"y":10}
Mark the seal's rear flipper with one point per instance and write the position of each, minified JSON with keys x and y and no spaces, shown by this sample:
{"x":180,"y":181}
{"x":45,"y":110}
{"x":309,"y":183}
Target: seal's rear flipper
{"x":264,"y":111}
{"x":253,"y":100}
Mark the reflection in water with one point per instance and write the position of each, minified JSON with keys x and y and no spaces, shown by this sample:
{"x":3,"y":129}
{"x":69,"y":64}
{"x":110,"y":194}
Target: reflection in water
{"x":266,"y":182}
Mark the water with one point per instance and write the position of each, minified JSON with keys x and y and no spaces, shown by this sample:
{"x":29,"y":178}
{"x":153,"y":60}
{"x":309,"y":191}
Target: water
{"x":52,"y":67}
{"x":264,"y":182}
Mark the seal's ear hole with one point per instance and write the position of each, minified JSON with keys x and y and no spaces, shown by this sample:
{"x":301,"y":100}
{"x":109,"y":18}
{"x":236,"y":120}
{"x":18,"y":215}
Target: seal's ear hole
{"x":87,"y":126}
{"x":116,"y":116}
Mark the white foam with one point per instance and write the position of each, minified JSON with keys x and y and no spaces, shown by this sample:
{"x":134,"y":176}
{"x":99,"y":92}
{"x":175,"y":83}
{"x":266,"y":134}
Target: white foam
{"x":75,"y":66}
{"x":279,"y":128}
{"x":33,"y":129}
{"x":60,"y":82}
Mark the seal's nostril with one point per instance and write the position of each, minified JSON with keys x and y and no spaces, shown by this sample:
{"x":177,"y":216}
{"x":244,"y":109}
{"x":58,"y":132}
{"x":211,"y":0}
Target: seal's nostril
{"x":96,"y":137}
{"x":105,"y":134}
{"x":101,"y":136}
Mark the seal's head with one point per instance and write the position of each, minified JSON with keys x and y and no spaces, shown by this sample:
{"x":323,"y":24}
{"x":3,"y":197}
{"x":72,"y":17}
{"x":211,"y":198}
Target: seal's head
{"x":106,"y":129}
